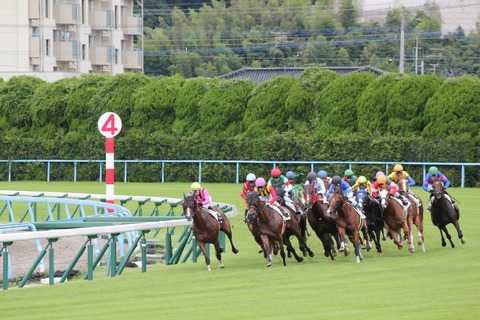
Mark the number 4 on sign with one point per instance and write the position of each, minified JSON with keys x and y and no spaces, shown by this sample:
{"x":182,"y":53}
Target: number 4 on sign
{"x":109,"y":124}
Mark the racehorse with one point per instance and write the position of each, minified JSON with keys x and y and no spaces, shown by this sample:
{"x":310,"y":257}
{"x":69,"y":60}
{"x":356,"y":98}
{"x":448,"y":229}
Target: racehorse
{"x":268,"y":227}
{"x":404,"y":190}
{"x":396,"y":218}
{"x":374,"y":213}
{"x":348,"y":222}
{"x":444,"y":212}
{"x":301,"y":218}
{"x":206,"y":228}
{"x":320,"y":221}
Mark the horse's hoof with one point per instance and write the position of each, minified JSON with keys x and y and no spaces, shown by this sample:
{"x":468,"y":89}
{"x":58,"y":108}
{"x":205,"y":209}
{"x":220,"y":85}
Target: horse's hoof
{"x":222,"y":265}
{"x":311,"y":254}
{"x":289,"y":254}
{"x":235,"y":251}
{"x":346,"y":252}
{"x":400,"y":247}
{"x":463,"y":241}
{"x":269,"y":264}
{"x":411,"y":250}
{"x":300,"y":259}
{"x":358,"y":259}
{"x":334,"y":253}
{"x":326,"y":254}
{"x":420,"y":242}
{"x":209,"y":268}
{"x":305,"y":253}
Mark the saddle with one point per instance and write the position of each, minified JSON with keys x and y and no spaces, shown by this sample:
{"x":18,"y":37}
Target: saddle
{"x":405,"y":208}
{"x":283,"y":212}
{"x":215,"y":214}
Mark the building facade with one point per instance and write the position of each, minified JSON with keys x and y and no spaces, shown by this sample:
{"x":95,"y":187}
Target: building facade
{"x":54,"y":39}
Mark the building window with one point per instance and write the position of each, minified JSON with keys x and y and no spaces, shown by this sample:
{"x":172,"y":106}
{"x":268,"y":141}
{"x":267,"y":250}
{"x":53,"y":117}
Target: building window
{"x":84,"y":52}
{"x":116,"y":56}
{"x":47,"y":8}
{"x":47,"y":47}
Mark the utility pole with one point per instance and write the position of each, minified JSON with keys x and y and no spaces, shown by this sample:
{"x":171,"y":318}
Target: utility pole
{"x":416,"y":56}
{"x":401,"y":64}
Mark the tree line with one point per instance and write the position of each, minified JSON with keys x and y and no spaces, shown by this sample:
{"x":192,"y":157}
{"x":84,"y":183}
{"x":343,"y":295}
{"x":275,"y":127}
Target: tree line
{"x":211,"y":38}
{"x":320,"y":116}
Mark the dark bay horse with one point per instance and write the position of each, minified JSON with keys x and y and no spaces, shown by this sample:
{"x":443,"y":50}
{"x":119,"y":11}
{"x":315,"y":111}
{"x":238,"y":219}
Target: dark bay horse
{"x":348,"y":223}
{"x":397,"y":219}
{"x":320,"y":221}
{"x":269,"y":229}
{"x":374,"y":213}
{"x":443,"y":212}
{"x":404,"y":190}
{"x":301,"y":219}
{"x":206,"y":228}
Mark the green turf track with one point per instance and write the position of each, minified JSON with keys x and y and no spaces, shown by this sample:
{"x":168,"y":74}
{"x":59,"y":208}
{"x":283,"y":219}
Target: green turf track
{"x":441,"y":283}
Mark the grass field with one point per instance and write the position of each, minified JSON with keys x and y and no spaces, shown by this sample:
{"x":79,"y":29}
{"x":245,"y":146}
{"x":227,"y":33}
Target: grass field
{"x":441,"y":283}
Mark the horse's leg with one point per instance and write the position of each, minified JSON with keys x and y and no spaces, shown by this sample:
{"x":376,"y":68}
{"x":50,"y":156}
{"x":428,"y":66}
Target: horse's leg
{"x":376,"y":238}
{"x":267,"y":250}
{"x":290,"y":248}
{"x":201,"y":244}
{"x":459,"y":231}
{"x":343,"y":242}
{"x":444,"y":243}
{"x":366,"y":236}
{"x":218,"y":252}
{"x":227,"y":229}
{"x":449,"y":237}
{"x":356,"y":243}
{"x":409,"y":223}
{"x":419,"y":225}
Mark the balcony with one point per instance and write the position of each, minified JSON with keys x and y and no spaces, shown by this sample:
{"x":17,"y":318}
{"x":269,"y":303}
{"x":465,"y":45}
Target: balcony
{"x":132,"y":59}
{"x":101,"y":55}
{"x":66,"y":50}
{"x":100,"y":19}
{"x":66,"y":13}
{"x":132,"y":25}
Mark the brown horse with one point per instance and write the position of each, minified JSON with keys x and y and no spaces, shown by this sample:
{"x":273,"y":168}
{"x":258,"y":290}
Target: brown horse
{"x":269,"y":229}
{"x":396,"y":219}
{"x":320,"y":221}
{"x":443,"y":212}
{"x":404,"y":190}
{"x":348,"y":223}
{"x":206,"y":228}
{"x":301,"y":218}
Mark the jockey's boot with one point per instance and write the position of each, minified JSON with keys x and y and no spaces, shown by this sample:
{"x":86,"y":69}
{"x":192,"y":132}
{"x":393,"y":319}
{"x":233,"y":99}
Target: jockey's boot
{"x":219,"y":218}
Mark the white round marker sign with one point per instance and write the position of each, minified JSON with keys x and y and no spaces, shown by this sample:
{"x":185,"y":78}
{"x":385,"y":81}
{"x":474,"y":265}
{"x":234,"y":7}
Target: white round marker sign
{"x":109,"y":124}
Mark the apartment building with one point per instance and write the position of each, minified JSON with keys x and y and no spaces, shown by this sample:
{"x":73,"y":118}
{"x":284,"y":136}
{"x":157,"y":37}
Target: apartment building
{"x":54,"y":39}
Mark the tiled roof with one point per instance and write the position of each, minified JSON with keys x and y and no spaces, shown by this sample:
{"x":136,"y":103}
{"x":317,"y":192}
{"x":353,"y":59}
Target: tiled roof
{"x":259,"y":75}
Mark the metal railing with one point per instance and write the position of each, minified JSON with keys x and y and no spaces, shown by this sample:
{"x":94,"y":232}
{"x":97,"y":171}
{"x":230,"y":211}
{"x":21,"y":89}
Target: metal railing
{"x":237,"y":163}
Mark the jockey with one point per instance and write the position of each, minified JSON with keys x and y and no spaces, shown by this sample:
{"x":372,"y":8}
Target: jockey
{"x":386,"y":184}
{"x":248,"y":186}
{"x":345,"y":187}
{"x":297,"y":189}
{"x":204,"y":199}
{"x":432,"y":175}
{"x":361,"y":188}
{"x":266,"y":193}
{"x":349,"y":177}
{"x":278,"y":179}
{"x":398,"y":172}
{"x":317,"y":183}
{"x":322,"y":174}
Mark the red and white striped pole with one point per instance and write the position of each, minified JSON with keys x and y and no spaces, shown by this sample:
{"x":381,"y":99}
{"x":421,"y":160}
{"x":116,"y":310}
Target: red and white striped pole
{"x":109,"y":126}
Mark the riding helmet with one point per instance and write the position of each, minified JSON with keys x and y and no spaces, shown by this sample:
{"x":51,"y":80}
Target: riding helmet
{"x":348,"y":172}
{"x":336,"y":180}
{"x":276,"y":172}
{"x":361,"y":179}
{"x":251,"y":177}
{"x":196,"y":186}
{"x":433,"y":170}
{"x":381,"y":179}
{"x":398,"y":167}
{"x":311,"y":176}
{"x":290,"y":174}
{"x":322,"y":174}
{"x":379,"y":173}
{"x":260,"y":182}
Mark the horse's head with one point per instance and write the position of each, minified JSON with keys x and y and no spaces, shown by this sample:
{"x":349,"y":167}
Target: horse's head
{"x":438,"y":188}
{"x":403,"y":184}
{"x":278,"y":190}
{"x":336,"y":202}
{"x":385,"y":197}
{"x":310,"y":195}
{"x":253,"y":205}
{"x":190,"y":206}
